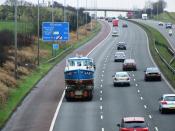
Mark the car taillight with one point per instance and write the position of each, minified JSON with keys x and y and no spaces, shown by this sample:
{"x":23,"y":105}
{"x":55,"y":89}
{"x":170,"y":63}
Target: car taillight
{"x":124,"y":129}
{"x":163,"y":102}
{"x":85,"y":93}
{"x":72,"y":94}
{"x":145,"y":129}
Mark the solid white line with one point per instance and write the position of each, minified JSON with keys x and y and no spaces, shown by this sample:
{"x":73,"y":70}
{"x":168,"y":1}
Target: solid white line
{"x":156,"y":128}
{"x":150,"y":116}
{"x":102,"y":129}
{"x":56,"y":112}
{"x":61,"y":100}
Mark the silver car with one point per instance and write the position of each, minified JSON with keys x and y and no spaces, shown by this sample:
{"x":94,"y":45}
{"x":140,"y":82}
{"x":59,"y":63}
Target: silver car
{"x":167,"y":102}
{"x":121,"y":78}
{"x":119,"y":56}
{"x":115,"y":33}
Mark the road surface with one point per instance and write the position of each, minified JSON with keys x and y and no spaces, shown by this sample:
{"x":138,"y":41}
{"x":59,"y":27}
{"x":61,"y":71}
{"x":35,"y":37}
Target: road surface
{"x":110,"y":103}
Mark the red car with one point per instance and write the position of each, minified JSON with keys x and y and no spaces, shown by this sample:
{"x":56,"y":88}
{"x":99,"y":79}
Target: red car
{"x":129,"y":65}
{"x":133,"y":124}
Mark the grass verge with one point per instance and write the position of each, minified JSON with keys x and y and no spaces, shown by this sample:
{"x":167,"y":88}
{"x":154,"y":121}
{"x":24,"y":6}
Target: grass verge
{"x":28,"y":83}
{"x":154,"y":35}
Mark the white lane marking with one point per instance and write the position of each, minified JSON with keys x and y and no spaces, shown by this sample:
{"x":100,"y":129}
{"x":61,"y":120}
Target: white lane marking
{"x":101,"y":98}
{"x":103,"y":71}
{"x":56,"y":112}
{"x":101,"y":107}
{"x":102,"y":129}
{"x":101,"y":80}
{"x":102,"y":75}
{"x":132,"y":74}
{"x":136,"y":84}
{"x":141,"y":98}
{"x":145,"y":106}
{"x":102,"y":117}
{"x":156,"y":128}
{"x":61,"y":100}
{"x":134,"y":79}
{"x":101,"y":85}
{"x":150,"y":116}
{"x":101,"y":91}
{"x":138,"y":91}
{"x":169,"y":85}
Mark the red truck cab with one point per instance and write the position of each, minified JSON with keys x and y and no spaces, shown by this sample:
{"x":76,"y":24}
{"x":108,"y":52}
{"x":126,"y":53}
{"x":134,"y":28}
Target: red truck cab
{"x":115,"y":22}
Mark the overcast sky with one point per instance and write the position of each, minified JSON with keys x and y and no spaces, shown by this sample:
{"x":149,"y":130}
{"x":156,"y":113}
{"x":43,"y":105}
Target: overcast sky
{"x":124,"y":4}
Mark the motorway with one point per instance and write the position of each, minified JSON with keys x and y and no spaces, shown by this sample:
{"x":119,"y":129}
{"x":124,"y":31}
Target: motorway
{"x":110,"y":103}
{"x":161,"y":29}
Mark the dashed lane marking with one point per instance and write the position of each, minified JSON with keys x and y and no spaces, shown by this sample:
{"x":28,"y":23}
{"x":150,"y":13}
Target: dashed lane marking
{"x":136,"y":84}
{"x":101,"y":117}
{"x":101,"y":80}
{"x":141,"y":98}
{"x":156,"y":128}
{"x":101,"y":91}
{"x":133,"y":75}
{"x":101,"y":98}
{"x":134,"y":79}
{"x":102,"y":129}
{"x":145,"y":106}
{"x":138,"y":91}
{"x":101,"y":85}
{"x":101,"y":107}
{"x":150,"y":116}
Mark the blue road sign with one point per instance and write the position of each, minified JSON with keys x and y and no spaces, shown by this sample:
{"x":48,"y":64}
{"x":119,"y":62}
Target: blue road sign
{"x":55,"y":46}
{"x":55,"y":31}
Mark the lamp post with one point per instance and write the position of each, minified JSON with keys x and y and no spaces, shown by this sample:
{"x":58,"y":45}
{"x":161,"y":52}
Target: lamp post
{"x":77,"y":18}
{"x":38,"y":45}
{"x":64,"y":12}
{"x":16,"y":46}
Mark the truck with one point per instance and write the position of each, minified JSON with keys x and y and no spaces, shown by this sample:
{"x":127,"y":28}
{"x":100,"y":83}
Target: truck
{"x":115,"y":22}
{"x":79,"y":78}
{"x":144,"y":16}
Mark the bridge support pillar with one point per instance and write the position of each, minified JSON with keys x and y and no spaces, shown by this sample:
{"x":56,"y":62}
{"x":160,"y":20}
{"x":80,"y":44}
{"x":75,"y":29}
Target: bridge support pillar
{"x":105,"y":12}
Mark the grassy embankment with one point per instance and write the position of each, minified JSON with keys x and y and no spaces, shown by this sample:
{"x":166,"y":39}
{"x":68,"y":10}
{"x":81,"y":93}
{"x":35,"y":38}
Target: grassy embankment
{"x":162,"y":45}
{"x":166,"y":17}
{"x":26,"y":84}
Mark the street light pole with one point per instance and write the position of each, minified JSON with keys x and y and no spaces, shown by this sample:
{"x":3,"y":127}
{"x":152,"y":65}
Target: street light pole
{"x":64,"y":13}
{"x":16,"y":46}
{"x":38,"y":53}
{"x":77,"y":18}
{"x":52,"y":12}
{"x":157,"y":10}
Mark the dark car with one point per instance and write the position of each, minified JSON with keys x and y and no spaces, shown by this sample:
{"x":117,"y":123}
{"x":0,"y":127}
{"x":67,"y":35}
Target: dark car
{"x":124,"y":25}
{"x":133,"y":124}
{"x":121,"y":46}
{"x":168,"y":25}
{"x":129,"y":65}
{"x":152,"y":73}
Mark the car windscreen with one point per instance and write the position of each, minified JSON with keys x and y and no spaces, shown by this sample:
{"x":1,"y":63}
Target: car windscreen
{"x":169,"y":98}
{"x":135,"y":124}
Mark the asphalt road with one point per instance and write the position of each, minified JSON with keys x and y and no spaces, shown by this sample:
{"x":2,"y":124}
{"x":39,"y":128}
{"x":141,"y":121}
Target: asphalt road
{"x":161,"y":29}
{"x":110,"y":103}
{"x":37,"y":110}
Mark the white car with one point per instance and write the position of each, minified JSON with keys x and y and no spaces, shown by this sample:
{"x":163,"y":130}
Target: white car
{"x":160,"y":23}
{"x":119,"y":56}
{"x":115,"y":33}
{"x":167,"y":102}
{"x":121,"y":78}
